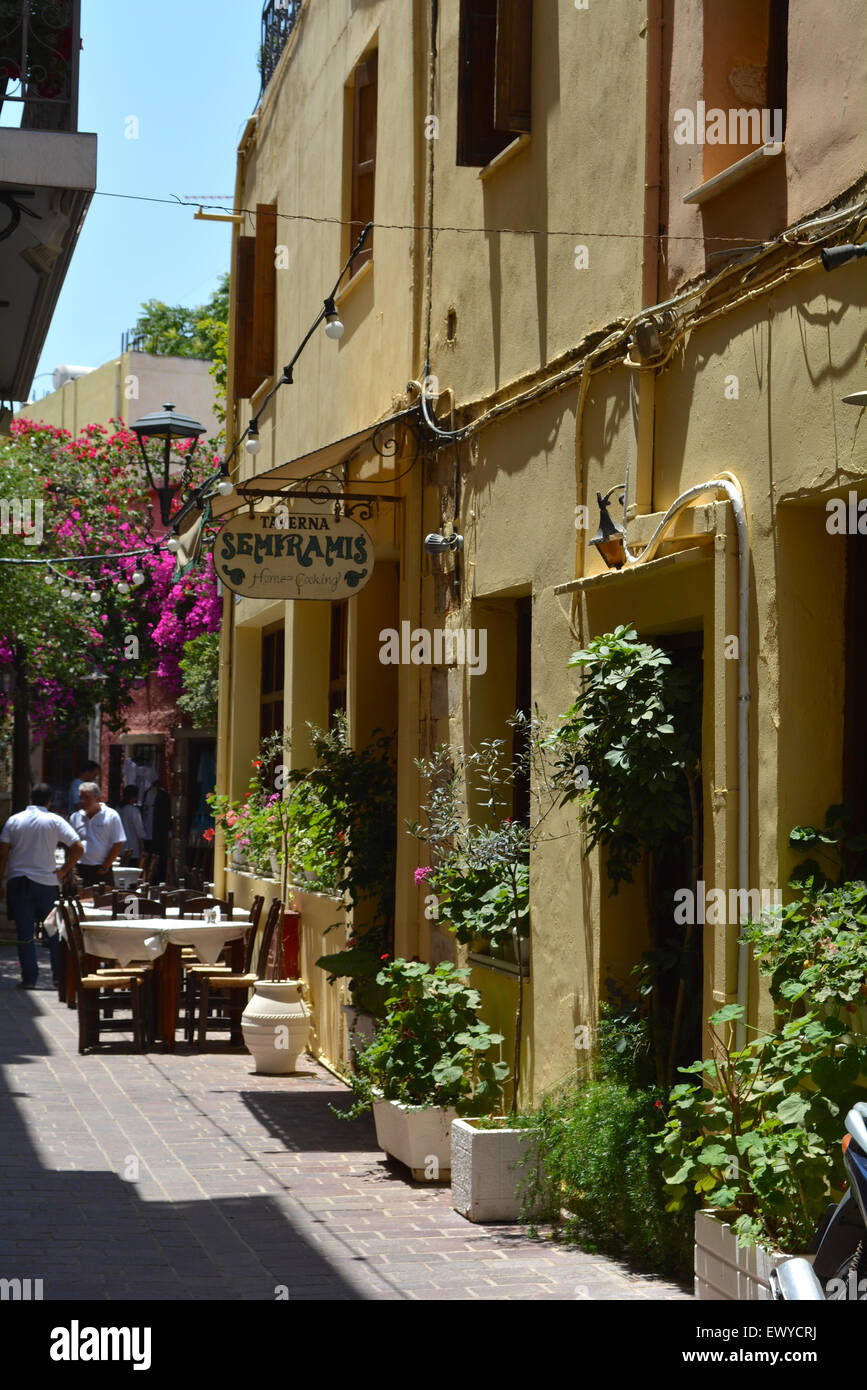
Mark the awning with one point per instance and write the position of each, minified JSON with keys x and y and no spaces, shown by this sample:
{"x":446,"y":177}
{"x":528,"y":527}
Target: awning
{"x":381,"y":436}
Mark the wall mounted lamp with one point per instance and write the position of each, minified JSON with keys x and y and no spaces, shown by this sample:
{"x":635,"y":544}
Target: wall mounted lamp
{"x":437,"y":544}
{"x":834,"y":256}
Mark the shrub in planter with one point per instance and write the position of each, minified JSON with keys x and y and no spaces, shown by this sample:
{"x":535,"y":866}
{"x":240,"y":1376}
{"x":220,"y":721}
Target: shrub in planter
{"x":431,"y":1048}
{"x":756,"y":1135}
{"x":595,"y":1157}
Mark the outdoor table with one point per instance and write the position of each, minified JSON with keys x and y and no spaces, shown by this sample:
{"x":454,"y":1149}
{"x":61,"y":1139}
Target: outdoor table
{"x":160,"y":939}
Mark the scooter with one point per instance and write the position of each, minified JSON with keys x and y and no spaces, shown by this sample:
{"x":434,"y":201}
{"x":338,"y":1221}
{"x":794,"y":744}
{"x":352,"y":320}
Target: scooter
{"x":838,"y":1269}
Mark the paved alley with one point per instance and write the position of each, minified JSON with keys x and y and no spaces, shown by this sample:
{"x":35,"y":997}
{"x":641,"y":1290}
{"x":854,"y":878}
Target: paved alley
{"x":128,"y":1176}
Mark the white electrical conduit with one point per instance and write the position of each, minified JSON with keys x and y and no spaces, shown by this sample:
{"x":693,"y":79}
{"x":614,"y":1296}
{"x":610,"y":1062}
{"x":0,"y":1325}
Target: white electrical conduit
{"x":729,"y":484}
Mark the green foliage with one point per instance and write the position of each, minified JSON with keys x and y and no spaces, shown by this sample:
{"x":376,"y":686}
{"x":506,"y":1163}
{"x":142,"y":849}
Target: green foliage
{"x":174,"y":330}
{"x":594,"y":1156}
{"x":481,"y":869}
{"x":757,"y":1134}
{"x":625,"y":1046}
{"x":431,"y":1048}
{"x":815,"y":951}
{"x":200,"y":672}
{"x":844,"y":852}
{"x":635,"y":729}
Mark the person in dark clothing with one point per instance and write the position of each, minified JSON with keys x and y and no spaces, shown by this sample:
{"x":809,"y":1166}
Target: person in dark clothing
{"x":156,"y":814}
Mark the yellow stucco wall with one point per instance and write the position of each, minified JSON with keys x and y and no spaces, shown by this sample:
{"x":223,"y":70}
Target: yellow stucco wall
{"x":131,"y":385}
{"x":520,"y":304}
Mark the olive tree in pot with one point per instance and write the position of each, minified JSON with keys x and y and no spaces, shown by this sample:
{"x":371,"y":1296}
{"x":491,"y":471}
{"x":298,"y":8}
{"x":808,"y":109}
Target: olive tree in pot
{"x":428,"y":1063}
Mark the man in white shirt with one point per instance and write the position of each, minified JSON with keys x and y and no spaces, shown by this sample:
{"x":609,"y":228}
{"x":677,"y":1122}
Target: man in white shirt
{"x":27,"y":845}
{"x":103,"y":834}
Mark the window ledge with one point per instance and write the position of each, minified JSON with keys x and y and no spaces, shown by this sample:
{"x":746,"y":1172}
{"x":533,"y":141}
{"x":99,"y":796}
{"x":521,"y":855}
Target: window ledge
{"x":260,"y":393}
{"x":736,"y":173}
{"x":504,"y":156}
{"x":500,"y":967}
{"x":362,"y":274}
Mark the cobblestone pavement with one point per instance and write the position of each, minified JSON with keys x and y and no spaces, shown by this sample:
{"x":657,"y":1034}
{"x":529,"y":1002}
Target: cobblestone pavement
{"x":244,"y":1184}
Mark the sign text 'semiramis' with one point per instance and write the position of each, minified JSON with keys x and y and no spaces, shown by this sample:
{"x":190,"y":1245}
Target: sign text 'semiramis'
{"x":292,"y":554}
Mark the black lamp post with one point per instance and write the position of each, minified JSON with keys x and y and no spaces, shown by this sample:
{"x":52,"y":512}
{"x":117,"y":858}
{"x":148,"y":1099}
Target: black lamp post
{"x":166,"y":426}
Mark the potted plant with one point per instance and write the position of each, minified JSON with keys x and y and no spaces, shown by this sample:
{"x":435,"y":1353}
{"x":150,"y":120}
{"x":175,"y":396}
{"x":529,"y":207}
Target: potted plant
{"x":276,"y":1021}
{"x":428,"y":1063}
{"x":754,"y":1135}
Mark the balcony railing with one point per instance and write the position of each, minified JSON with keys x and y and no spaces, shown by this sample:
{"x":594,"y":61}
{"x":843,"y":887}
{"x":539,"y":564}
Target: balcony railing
{"x":39,"y":50}
{"x":278,"y":20}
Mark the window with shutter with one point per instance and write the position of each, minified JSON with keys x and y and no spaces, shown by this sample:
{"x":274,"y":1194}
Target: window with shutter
{"x":494,"y":59}
{"x":265,"y":291}
{"x":245,"y":379}
{"x":363,"y":155}
{"x":255,"y":300}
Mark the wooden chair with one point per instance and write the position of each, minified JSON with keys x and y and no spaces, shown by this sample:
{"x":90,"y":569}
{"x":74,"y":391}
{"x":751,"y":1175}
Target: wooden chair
{"x":195,"y":906}
{"x":196,"y":969}
{"x":232,"y":990}
{"x":91,"y":988}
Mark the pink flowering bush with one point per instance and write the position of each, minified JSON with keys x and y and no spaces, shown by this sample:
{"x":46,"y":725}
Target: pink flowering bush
{"x":91,"y":496}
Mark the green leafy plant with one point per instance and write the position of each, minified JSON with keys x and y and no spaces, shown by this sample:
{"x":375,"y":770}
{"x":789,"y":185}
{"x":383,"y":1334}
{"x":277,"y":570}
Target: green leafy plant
{"x":842,"y":850}
{"x":756,"y":1134}
{"x":627,"y":749}
{"x":815,"y":951}
{"x":200,"y":673}
{"x":431,"y":1048}
{"x":627,"y":754}
{"x":593,"y":1166}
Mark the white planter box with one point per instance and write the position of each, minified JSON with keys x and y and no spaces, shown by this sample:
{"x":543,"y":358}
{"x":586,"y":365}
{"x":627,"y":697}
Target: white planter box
{"x":724,"y":1269}
{"x":420,"y":1138}
{"x":485,"y":1175}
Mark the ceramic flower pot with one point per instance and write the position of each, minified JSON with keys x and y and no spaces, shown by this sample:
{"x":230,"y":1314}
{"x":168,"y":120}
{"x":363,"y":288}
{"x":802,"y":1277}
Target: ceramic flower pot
{"x":276,"y":1023}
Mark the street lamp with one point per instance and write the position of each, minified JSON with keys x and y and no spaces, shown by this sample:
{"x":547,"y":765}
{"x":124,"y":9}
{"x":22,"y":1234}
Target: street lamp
{"x":166,"y":426}
{"x":610,"y":539}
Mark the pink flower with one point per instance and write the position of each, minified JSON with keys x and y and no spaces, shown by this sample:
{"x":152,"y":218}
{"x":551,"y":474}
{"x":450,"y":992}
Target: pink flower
{"x":421,"y":874}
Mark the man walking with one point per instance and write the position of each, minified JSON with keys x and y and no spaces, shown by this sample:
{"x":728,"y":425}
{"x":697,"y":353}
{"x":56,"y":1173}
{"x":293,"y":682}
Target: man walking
{"x":103,"y":834}
{"x":27,"y":844}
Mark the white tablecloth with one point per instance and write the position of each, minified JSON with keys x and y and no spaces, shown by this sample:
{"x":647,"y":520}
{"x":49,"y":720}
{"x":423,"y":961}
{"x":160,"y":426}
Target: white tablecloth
{"x":147,"y":938}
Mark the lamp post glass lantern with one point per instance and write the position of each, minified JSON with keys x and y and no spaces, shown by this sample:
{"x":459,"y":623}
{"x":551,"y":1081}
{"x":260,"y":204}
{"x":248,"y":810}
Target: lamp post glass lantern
{"x":610,"y":539}
{"x":166,"y":426}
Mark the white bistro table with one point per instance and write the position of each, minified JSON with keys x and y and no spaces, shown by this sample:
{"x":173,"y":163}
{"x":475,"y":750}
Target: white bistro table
{"x":159,"y":939}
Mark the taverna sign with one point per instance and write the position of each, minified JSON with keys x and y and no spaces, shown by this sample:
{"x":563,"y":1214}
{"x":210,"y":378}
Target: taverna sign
{"x":290,"y":555}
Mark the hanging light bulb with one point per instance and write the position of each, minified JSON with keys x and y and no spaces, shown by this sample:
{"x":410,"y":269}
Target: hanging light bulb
{"x":65,"y":591}
{"x":138,"y":578}
{"x":226,"y":487}
{"x":333,"y":325}
{"x":49,"y":577}
{"x":173,"y":545}
{"x":123,"y":587}
{"x":254,"y":443}
{"x":94,"y":596}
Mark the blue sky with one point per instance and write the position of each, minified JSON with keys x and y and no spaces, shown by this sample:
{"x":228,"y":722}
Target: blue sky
{"x":187,"y":70}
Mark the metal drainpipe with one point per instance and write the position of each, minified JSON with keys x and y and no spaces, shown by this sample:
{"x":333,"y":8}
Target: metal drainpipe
{"x":729,"y":484}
